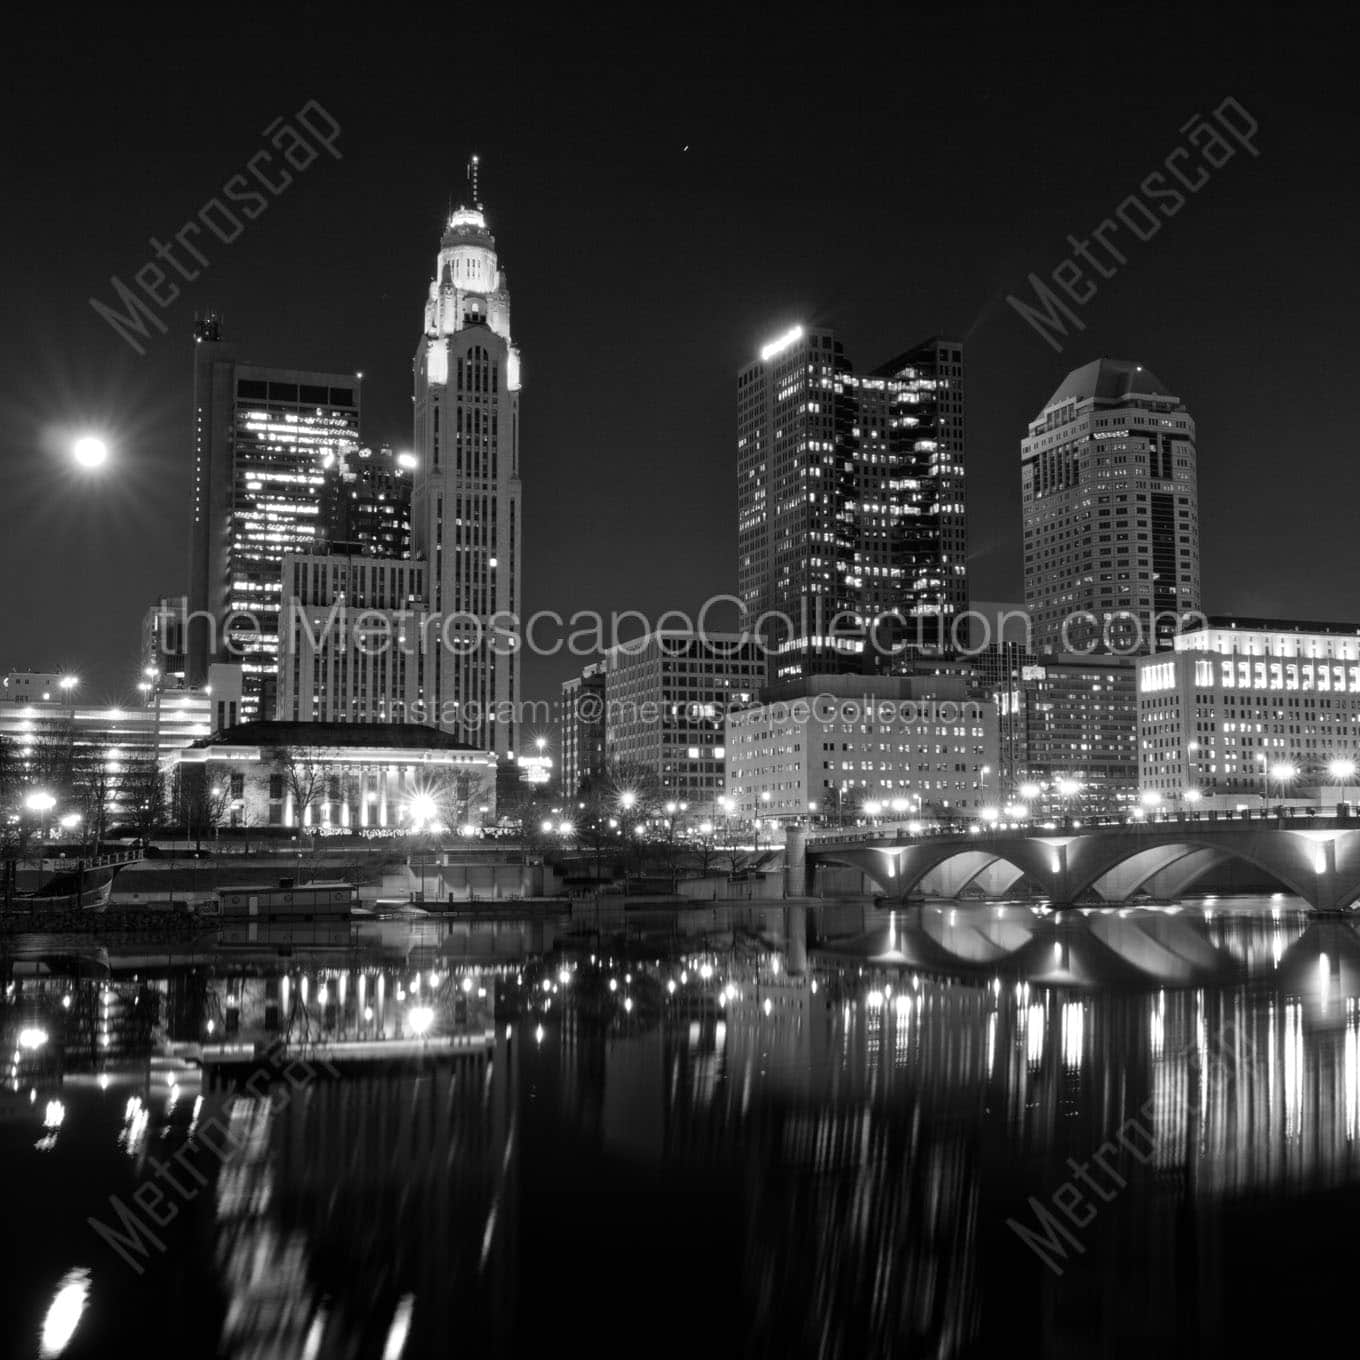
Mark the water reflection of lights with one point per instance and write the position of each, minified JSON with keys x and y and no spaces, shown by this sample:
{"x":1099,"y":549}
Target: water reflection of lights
{"x":1034,"y":1018}
{"x":1073,"y":1033}
{"x":135,"y":1119}
{"x":400,"y":1328}
{"x":64,"y":1312}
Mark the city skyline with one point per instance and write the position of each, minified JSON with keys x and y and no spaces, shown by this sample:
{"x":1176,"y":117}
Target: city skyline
{"x":678,"y":366}
{"x":826,"y":753}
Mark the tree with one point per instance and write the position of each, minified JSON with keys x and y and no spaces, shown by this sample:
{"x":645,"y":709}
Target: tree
{"x":139,"y":790}
{"x":304,"y":779}
{"x":95,"y":794}
{"x":11,"y":791}
{"x":204,"y":798}
{"x":458,"y":797}
{"x":610,"y":804}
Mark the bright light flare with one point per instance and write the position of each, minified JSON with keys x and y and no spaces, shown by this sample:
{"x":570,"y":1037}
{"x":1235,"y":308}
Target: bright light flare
{"x":64,"y":1312}
{"x":90,"y":452}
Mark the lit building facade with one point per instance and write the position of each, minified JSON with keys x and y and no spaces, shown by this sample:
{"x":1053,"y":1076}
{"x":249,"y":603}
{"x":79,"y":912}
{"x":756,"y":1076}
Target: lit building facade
{"x":263,"y":441}
{"x":667,"y":697}
{"x":1110,"y":500}
{"x":465,"y":511}
{"x":354,"y":639}
{"x":346,"y":776}
{"x":850,"y":503}
{"x":1254,"y":709}
{"x":582,"y":728}
{"x":1069,"y":728}
{"x":366,"y":502}
{"x":164,"y":645}
{"x":833,"y":742}
{"x":100,"y":759}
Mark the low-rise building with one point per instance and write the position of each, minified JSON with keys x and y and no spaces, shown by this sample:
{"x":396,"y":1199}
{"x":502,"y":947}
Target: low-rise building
{"x":103,"y":762}
{"x":346,"y":777}
{"x":830,"y":744}
{"x":1251,"y":709}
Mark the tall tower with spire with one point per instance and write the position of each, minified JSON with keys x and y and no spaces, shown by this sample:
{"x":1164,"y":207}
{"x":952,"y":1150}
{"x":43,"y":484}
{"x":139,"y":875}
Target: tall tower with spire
{"x":465,"y":504}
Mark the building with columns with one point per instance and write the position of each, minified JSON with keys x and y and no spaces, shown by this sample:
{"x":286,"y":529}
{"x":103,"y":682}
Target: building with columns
{"x":345,"y":777}
{"x":465,"y":505}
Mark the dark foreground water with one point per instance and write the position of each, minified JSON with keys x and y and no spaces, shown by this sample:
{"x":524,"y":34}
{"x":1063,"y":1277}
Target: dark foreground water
{"x":952,"y":1131}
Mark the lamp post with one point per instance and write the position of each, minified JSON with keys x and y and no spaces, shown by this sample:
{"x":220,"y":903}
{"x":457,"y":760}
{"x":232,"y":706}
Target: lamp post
{"x":1343,"y":771}
{"x":42,"y":803}
{"x":1067,"y":788}
{"x":1283,"y":773}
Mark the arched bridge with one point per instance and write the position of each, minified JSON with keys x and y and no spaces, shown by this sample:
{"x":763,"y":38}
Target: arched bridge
{"x":1320,"y":863}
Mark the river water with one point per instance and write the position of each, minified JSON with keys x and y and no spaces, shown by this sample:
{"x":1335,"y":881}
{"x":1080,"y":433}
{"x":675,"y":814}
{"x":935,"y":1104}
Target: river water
{"x":952,"y":1130}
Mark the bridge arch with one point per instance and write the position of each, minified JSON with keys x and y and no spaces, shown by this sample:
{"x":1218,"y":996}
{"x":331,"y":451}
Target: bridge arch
{"x":899,"y":870}
{"x":1292,"y":862}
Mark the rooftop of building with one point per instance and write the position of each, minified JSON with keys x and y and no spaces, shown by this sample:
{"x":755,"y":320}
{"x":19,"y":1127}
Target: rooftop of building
{"x":1243,"y":624}
{"x":404,"y":736}
{"x":1109,"y":380}
{"x":917,"y":354}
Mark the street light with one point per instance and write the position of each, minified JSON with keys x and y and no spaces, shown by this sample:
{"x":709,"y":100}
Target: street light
{"x":42,"y":804}
{"x":1282,"y":773}
{"x":1343,"y":771}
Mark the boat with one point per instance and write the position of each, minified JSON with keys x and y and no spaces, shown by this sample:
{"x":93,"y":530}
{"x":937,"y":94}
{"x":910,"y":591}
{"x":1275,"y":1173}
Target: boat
{"x":87,"y":885}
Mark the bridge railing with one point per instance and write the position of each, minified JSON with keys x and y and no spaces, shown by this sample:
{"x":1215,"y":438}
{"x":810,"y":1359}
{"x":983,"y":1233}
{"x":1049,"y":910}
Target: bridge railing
{"x":1297,"y":818}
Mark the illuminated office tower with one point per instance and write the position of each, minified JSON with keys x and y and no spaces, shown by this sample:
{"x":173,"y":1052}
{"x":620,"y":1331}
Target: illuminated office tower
{"x":1111,"y":512}
{"x":263,"y":440}
{"x":850,"y":504}
{"x":366,"y":503}
{"x":465,"y":506}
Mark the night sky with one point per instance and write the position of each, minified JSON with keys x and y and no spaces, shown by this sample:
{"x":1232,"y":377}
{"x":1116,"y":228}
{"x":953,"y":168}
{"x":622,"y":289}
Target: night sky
{"x":667,"y":192}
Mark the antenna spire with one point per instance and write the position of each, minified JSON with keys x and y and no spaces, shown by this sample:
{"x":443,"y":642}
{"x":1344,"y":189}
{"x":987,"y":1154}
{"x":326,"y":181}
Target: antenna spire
{"x":472,"y":170}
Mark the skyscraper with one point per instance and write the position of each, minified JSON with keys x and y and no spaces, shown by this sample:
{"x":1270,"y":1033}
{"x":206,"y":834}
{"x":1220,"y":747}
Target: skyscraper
{"x":465,"y":507}
{"x":263,"y":439}
{"x":850,"y":503}
{"x":1111,"y":512}
{"x":366,"y":503}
